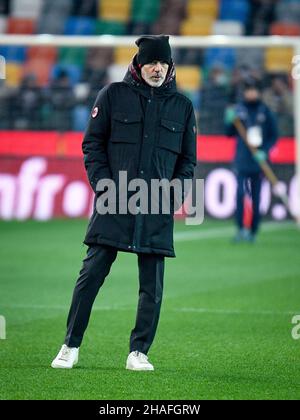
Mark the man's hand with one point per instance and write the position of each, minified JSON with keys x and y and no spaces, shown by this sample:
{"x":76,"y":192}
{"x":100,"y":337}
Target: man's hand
{"x":230,"y":115}
{"x":260,"y":156}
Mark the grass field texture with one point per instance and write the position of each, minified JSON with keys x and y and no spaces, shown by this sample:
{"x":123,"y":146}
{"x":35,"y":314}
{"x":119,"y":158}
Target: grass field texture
{"x":224,"y":332}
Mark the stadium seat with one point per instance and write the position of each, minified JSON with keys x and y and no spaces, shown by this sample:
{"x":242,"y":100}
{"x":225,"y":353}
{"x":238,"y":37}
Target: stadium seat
{"x":167,"y":25}
{"x":197,"y":26}
{"x":21,"y":26}
{"x":80,"y":117}
{"x":124,"y":55}
{"x":3,"y":24}
{"x":74,"y":55}
{"x":45,"y":53}
{"x":100,"y":52}
{"x":79,"y":26}
{"x":173,"y":8}
{"x":228,"y":27}
{"x":278,"y":59}
{"x":288,"y":11}
{"x":234,"y":10}
{"x":202,"y":8}
{"x":188,"y":78}
{"x":14,"y":73}
{"x":13,"y":53}
{"x":138,"y":28}
{"x":5,"y":7}
{"x":84,"y":8}
{"x":285,"y":29}
{"x":40,"y":68}
{"x":250,"y":57}
{"x":116,"y":72}
{"x":116,"y":10}
{"x":146,"y":11}
{"x":59,"y":7}
{"x":99,"y":58}
{"x":51,"y":24}
{"x":30,"y":9}
{"x":110,"y":28}
{"x":73,"y":71}
{"x":224,"y":56}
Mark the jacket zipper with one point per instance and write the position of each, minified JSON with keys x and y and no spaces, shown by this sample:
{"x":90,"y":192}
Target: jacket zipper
{"x":134,"y":243}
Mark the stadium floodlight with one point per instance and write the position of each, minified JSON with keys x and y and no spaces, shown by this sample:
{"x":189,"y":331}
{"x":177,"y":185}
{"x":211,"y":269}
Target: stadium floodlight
{"x":180,"y":41}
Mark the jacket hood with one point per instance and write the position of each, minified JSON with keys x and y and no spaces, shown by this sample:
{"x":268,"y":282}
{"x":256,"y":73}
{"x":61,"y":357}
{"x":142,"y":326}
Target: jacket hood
{"x":134,"y":79}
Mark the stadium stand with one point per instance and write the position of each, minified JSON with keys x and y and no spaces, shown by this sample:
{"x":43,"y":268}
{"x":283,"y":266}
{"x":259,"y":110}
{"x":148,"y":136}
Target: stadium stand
{"x":207,"y":76}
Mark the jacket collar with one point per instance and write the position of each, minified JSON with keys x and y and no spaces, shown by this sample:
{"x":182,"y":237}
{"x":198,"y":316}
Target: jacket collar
{"x":134,"y":79}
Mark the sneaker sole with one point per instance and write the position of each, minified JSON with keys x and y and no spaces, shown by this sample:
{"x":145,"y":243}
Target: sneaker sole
{"x":61,"y":367}
{"x":139,"y":369}
{"x":56,"y":366}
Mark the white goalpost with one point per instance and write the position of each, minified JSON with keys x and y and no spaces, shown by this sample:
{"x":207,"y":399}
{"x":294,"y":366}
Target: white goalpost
{"x":180,"y":41}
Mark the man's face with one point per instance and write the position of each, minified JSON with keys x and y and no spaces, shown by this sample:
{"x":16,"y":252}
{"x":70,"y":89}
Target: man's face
{"x":252,"y":95}
{"x":155,"y":73}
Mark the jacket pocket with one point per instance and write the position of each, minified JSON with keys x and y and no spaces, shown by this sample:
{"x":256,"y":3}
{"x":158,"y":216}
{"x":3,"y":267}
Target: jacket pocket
{"x":170,"y":136}
{"x":126,"y":128}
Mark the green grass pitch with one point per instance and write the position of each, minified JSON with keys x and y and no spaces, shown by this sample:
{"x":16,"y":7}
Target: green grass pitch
{"x":224,"y":332}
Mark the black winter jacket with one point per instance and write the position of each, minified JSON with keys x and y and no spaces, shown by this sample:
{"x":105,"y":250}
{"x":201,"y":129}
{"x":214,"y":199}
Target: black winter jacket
{"x":150,"y":133}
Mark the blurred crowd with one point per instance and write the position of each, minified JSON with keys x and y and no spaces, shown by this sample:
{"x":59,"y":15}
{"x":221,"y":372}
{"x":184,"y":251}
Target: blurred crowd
{"x":55,"y":88}
{"x":63,"y":106}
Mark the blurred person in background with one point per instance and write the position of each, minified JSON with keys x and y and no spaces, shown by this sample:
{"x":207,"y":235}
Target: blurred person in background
{"x":261,"y":126}
{"x":214,"y":97}
{"x":8,"y":96}
{"x":61,"y":100}
{"x":28,"y":104}
{"x":262,"y":14}
{"x":144,"y":127}
{"x":279,"y":99}
{"x":239,"y":76}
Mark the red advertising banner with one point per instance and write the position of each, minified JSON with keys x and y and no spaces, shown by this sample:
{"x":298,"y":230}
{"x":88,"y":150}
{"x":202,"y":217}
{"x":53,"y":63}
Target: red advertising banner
{"x":42,"y":176}
{"x":51,"y":143}
{"x":42,"y":188}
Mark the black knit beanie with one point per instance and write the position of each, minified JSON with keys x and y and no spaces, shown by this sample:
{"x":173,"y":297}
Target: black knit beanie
{"x":153,"y":48}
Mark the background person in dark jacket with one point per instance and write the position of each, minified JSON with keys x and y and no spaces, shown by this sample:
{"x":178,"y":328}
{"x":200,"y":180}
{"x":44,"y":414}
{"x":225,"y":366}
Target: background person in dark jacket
{"x":261,"y":128}
{"x":144,"y":127}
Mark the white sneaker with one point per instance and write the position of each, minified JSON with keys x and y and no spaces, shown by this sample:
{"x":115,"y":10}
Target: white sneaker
{"x":66,"y":358}
{"x":138,"y":361}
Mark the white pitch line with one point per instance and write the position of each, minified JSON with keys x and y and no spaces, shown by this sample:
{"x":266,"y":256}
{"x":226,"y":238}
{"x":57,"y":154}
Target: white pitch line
{"x":129,"y":308}
{"x":225,"y":231}
{"x":60,"y":307}
{"x":236,"y":311}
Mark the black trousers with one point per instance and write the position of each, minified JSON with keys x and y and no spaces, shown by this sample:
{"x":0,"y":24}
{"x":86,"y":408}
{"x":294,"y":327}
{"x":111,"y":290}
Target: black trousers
{"x":251,"y":182}
{"x":96,"y":267}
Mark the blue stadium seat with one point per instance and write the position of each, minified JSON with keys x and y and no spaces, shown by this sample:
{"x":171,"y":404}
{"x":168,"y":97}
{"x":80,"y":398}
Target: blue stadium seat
{"x":13,"y":53}
{"x":74,"y":72}
{"x":80,"y":26}
{"x":288,"y":11}
{"x":234,"y":10}
{"x":80,"y":117}
{"x":224,"y":56}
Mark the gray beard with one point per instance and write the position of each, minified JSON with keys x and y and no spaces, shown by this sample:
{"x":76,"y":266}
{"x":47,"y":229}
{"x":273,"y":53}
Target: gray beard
{"x":154,"y":84}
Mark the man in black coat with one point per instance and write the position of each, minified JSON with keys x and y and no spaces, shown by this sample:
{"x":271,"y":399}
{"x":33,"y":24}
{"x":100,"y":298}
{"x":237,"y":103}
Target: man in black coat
{"x":144,"y":129}
{"x":261,"y":126}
